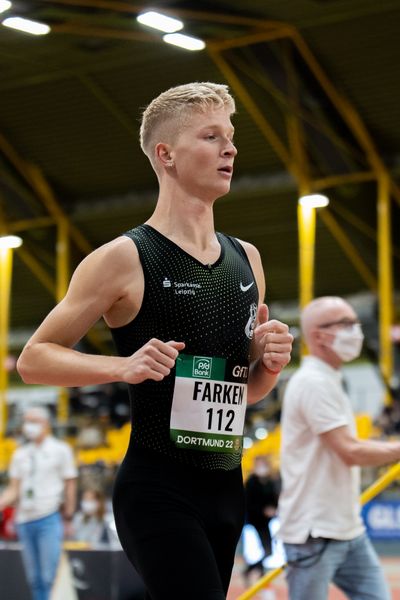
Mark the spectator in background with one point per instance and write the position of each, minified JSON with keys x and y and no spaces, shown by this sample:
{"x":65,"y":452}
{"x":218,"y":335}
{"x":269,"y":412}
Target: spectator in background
{"x":319,"y":510}
{"x":89,"y":523}
{"x":43,"y":486}
{"x":261,"y":493}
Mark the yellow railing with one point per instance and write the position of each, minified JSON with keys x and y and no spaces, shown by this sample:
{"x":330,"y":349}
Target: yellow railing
{"x":376,"y":488}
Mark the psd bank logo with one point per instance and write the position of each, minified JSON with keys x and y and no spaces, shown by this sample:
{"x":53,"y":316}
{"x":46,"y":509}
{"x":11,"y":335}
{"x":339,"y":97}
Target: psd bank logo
{"x":202,"y":366}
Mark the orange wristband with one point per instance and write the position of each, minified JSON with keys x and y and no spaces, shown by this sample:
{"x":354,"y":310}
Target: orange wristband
{"x":270,"y":371}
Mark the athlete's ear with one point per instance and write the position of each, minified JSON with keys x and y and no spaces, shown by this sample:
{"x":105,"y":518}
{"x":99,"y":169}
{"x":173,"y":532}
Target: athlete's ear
{"x":163,"y":154}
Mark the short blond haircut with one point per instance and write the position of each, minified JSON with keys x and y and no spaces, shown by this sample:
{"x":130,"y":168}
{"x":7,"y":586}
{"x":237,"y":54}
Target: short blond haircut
{"x":167,"y":114}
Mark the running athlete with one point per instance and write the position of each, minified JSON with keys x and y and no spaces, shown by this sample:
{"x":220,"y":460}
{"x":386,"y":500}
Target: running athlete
{"x":195,"y":345}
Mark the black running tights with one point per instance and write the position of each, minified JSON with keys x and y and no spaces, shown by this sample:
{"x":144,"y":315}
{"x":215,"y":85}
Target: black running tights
{"x":179,"y":528}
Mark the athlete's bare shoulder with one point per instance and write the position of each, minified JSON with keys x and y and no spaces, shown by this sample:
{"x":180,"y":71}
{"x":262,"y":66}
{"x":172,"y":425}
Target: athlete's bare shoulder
{"x":120,"y":252}
{"x":109,"y":260}
{"x":256,"y":264}
{"x":114,"y":269}
{"x":251,"y":251}
{"x":105,"y":273}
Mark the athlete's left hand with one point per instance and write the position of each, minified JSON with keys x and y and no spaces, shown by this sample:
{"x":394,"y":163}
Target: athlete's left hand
{"x":272,"y":340}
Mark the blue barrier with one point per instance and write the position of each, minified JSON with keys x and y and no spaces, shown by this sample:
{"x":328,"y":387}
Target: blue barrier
{"x":382,"y":519}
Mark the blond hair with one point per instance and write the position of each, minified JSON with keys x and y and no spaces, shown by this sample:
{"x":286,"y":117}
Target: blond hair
{"x":167,"y":114}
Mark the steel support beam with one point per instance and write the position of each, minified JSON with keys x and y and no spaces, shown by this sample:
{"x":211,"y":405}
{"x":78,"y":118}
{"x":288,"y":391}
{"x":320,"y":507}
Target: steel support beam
{"x":349,"y":249}
{"x":28,"y":224}
{"x":385,"y":278}
{"x":46,"y":195}
{"x":254,"y":111}
{"x":36,"y":268}
{"x":6,"y":256}
{"x":34,"y":177}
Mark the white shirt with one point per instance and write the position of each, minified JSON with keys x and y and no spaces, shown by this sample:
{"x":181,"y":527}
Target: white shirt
{"x":320,"y":493}
{"x":89,"y":529}
{"x":42,"y":470}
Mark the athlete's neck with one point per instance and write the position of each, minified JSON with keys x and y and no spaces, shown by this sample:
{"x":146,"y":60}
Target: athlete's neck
{"x":188,"y":223}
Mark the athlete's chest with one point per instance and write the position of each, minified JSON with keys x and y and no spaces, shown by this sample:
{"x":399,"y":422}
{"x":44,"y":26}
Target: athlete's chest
{"x":182,"y":279}
{"x":215,"y":306}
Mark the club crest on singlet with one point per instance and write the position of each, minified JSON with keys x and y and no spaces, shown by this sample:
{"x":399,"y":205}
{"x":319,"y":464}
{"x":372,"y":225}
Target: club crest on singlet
{"x":209,"y":404}
{"x":249,"y":329}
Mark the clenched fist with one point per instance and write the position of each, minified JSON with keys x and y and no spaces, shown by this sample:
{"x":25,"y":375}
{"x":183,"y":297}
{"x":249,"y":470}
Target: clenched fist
{"x":273,"y":341}
{"x":154,"y":361}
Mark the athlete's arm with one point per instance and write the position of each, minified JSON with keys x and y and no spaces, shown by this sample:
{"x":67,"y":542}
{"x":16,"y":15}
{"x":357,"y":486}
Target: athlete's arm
{"x":363,"y":453}
{"x":101,"y":285}
{"x":11,"y":494}
{"x":272,"y":342}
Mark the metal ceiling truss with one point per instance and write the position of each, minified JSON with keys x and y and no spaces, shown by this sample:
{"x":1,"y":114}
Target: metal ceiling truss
{"x":65,"y":230}
{"x":293,"y":148}
{"x":299,"y":167}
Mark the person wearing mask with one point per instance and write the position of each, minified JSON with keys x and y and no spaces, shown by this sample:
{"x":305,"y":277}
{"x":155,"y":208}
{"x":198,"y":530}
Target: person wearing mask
{"x":88,"y":524}
{"x":185,"y":305}
{"x":42,"y":484}
{"x":261,"y":494}
{"x":319,"y":510}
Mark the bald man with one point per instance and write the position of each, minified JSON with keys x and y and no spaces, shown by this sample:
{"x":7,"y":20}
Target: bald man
{"x":321,"y":526}
{"x":42,"y":479}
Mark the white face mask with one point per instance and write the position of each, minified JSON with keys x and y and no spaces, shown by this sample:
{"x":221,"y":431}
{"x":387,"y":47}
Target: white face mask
{"x":347,"y":342}
{"x":32,"y":430}
{"x":89,"y":507}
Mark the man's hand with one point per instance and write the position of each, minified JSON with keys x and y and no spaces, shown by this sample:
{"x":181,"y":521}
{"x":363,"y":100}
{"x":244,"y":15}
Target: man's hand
{"x":10,"y":494}
{"x":273,"y":341}
{"x":68,"y":530}
{"x":154,"y":361}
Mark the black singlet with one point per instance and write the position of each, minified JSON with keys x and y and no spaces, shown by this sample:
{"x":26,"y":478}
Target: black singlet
{"x":211,"y":308}
{"x":179,"y":512}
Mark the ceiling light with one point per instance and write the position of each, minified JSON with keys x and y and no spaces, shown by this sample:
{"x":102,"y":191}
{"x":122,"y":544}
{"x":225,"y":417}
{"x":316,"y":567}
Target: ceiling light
{"x":10,"y":241}
{"x":33,"y":27}
{"x":314,"y":201}
{"x":184,"y":41}
{"x":159,"y":21}
{"x":4,"y":5}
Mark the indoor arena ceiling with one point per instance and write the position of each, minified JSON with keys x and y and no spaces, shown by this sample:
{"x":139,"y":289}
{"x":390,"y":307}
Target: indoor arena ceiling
{"x":317,"y":84}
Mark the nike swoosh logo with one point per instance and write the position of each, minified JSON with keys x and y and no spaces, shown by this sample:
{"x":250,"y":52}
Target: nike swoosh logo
{"x":244,"y":288}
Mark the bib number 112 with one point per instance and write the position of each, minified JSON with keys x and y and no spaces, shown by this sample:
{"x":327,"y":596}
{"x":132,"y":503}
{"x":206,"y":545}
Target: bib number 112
{"x":215,"y":419}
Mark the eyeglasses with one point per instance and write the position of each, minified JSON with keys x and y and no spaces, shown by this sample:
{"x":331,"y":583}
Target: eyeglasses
{"x":345,"y":323}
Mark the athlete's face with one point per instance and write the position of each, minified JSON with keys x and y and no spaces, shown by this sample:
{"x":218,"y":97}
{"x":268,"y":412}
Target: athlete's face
{"x":203,"y":154}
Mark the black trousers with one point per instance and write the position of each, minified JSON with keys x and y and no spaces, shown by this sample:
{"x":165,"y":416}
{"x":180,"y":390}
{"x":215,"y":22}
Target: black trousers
{"x":178,"y":526}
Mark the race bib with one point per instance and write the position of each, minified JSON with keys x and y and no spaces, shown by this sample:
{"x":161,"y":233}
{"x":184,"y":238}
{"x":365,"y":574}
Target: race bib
{"x":209,"y":404}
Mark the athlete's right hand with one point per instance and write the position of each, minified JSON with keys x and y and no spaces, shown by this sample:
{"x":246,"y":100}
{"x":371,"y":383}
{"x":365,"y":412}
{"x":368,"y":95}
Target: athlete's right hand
{"x":154,"y":361}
